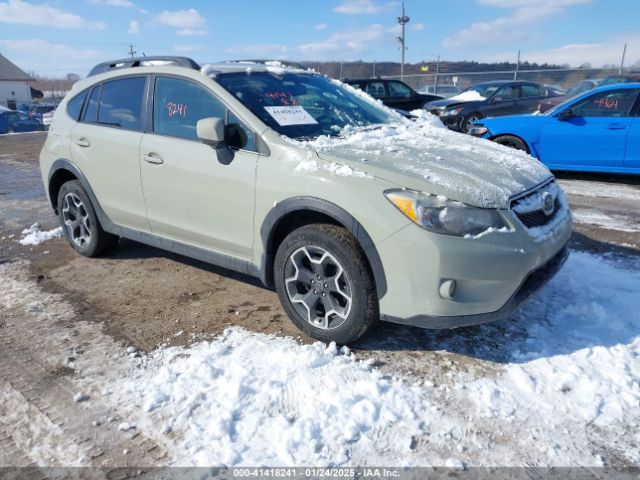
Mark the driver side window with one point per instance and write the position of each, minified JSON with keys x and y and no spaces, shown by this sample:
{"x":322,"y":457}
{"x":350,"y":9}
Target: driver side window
{"x":616,"y":103}
{"x":507,"y":93}
{"x":179,"y":104}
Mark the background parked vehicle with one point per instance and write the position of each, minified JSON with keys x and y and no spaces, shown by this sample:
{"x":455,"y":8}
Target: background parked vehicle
{"x":40,"y":109}
{"x":445,"y":91}
{"x":47,"y":118}
{"x":488,"y":99}
{"x":598,"y":131}
{"x":393,"y":93}
{"x":615,"y":79}
{"x":555,"y":89}
{"x":13,"y":122}
{"x":580,"y":87}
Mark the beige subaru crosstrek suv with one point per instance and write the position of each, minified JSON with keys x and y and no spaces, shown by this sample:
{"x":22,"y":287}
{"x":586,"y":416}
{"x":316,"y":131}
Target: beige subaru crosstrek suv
{"x":351,"y":211}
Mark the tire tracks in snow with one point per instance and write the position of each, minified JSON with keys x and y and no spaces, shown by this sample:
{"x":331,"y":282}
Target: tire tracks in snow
{"x":49,"y":357}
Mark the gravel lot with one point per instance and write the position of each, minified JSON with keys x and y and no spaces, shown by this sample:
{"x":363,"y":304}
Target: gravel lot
{"x":141,"y":297}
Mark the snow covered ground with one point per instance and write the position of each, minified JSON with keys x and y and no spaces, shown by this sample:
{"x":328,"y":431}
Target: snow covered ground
{"x":600,"y":189}
{"x":34,"y":236}
{"x":592,"y":216}
{"x":567,"y":393}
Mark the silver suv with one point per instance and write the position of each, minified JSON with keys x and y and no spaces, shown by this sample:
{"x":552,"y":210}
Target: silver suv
{"x":352,"y":212}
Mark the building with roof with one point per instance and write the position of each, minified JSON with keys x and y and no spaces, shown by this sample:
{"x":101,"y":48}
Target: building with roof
{"x":14,"y":84}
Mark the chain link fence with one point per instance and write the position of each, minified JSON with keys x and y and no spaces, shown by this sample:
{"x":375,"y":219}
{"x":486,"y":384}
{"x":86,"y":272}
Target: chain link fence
{"x":561,"y":78}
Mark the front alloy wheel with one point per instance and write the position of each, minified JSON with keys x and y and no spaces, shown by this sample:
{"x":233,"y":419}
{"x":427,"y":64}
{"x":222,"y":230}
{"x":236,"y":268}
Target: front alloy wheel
{"x":325,"y":284}
{"x":318,"y":287}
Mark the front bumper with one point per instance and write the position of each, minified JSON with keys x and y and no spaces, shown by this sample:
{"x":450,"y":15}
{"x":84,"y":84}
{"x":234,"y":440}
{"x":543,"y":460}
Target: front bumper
{"x":494,"y":274}
{"x":453,"y":122}
{"x":529,"y":287}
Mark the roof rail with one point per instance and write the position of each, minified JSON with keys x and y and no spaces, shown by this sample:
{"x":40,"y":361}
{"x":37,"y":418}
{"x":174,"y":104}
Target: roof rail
{"x":143,"y":62}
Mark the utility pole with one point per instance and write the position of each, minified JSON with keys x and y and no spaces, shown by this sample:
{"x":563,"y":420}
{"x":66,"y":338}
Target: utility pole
{"x":515,"y":74}
{"x":131,"y":52}
{"x":435,"y":80}
{"x":624,"y":52}
{"x":402,"y":20}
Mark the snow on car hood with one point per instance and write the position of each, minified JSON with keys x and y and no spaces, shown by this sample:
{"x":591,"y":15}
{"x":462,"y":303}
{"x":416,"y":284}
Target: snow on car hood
{"x":424,"y":156}
{"x":468,"y":96}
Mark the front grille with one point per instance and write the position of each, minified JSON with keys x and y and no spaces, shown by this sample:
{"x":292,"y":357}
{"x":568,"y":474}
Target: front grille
{"x":538,"y":218}
{"x":529,"y":209}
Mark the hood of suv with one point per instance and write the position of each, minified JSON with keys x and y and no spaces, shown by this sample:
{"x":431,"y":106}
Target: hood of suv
{"x":423,"y":157}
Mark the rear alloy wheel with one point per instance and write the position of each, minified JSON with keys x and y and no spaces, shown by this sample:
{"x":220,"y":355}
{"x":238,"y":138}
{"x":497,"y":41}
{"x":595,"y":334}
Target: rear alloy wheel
{"x":324,"y":283}
{"x":469,"y":121}
{"x":512,"y":142}
{"x":79,"y":222}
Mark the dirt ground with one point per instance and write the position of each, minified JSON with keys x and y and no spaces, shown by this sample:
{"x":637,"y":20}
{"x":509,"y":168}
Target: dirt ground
{"x":143,"y":297}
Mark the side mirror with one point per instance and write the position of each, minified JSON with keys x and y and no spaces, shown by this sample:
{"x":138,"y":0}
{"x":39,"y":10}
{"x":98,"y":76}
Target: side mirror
{"x":211,"y":132}
{"x":496,"y":100}
{"x":565,"y":115}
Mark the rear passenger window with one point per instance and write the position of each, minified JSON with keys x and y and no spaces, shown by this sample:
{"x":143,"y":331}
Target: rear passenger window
{"x":74,"y":107}
{"x":91,"y":112}
{"x":121,"y":103}
{"x":179,"y":104}
{"x":529,"y":91}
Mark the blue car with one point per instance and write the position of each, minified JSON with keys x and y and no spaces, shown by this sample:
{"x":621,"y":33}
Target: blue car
{"x":13,"y":122}
{"x":597,"y":131}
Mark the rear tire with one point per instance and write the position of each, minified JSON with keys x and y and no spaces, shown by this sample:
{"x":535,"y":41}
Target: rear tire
{"x":325,"y":284}
{"x":80,"y":223}
{"x":512,"y":142}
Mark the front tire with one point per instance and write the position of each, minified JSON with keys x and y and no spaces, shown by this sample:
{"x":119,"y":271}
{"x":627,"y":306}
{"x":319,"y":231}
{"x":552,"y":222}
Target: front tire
{"x":512,"y":142}
{"x":80,"y":223}
{"x":469,"y":120}
{"x":325,"y":284}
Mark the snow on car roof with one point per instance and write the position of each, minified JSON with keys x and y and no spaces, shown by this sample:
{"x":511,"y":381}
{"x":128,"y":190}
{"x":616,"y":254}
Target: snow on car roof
{"x":274,"y":66}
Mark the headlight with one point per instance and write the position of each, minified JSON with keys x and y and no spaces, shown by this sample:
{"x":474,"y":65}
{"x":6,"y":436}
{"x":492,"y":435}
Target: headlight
{"x":452,"y":112}
{"x":440,"y":215}
{"x":478,"y":131}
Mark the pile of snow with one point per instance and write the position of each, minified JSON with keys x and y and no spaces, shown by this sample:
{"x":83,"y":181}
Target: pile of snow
{"x":468,"y":96}
{"x":252,"y":399}
{"x":34,"y":236}
{"x":559,"y":386}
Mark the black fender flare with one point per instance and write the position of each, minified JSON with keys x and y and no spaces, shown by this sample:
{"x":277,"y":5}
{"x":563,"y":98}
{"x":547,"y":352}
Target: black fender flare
{"x":284,"y":208}
{"x":65,"y":164}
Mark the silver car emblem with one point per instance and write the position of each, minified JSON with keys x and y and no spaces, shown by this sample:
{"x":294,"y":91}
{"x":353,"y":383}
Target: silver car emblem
{"x":548,"y":203}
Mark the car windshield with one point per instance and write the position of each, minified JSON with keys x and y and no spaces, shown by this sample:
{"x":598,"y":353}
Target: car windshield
{"x":302,"y":105}
{"x":485,"y":89}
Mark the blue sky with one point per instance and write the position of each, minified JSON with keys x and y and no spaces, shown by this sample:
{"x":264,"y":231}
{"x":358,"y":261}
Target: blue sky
{"x":55,"y":37}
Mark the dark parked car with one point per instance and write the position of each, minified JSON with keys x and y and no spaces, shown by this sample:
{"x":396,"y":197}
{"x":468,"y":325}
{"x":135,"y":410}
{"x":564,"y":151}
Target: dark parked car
{"x":12,"y":122}
{"x":393,"y":93}
{"x":37,"y":111}
{"x":581,"y":87}
{"x":488,"y":99}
